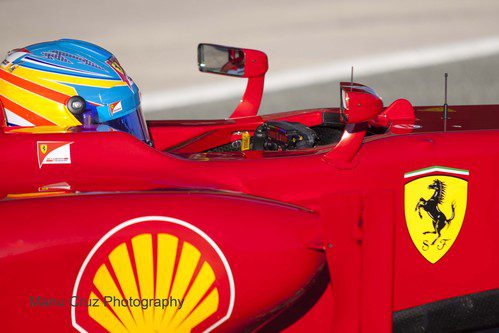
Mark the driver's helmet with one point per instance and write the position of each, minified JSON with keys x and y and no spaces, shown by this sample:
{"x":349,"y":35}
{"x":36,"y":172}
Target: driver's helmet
{"x":69,"y":83}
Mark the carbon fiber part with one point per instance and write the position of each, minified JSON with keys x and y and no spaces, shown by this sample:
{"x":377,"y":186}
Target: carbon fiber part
{"x":231,"y":146}
{"x":328,"y":134}
{"x":470,"y":313}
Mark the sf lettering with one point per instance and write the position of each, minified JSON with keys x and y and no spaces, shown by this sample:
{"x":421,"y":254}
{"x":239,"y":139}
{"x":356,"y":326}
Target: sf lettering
{"x":440,"y":245}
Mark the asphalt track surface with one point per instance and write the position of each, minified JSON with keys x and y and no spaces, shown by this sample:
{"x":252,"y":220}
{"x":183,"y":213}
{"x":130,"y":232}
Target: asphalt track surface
{"x":474,"y":81}
{"x":155,"y":40}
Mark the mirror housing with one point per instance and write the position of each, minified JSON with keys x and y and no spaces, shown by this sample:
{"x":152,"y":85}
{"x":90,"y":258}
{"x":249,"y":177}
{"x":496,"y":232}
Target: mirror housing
{"x":359,"y":103}
{"x":232,"y":61}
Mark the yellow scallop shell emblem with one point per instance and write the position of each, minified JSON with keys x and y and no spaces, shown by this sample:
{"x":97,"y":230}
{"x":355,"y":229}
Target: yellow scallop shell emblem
{"x":152,"y":276}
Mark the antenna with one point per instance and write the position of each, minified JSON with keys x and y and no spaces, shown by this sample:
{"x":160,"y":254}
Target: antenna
{"x":446,"y":106}
{"x":351,"y":79}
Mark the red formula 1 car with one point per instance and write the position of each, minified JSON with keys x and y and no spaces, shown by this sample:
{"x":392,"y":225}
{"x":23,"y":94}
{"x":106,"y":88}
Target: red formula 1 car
{"x":358,"y":218}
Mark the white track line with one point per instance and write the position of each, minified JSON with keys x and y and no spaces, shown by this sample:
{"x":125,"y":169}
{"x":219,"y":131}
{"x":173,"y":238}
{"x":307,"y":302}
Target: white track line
{"x":167,"y":99}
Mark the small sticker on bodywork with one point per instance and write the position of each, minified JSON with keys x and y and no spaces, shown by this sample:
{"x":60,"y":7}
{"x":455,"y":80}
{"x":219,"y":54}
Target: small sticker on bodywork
{"x":53,"y":152}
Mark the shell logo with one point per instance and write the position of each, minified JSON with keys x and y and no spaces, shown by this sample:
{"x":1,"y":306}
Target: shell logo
{"x":153,"y":274}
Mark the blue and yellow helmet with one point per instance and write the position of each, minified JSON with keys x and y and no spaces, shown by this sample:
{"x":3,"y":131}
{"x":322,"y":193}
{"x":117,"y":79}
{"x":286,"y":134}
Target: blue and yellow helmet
{"x":69,"y":83}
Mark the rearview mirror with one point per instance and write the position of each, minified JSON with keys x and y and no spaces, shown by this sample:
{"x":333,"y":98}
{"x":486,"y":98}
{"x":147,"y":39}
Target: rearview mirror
{"x":358,"y":103}
{"x":238,"y":62}
{"x":225,"y":60}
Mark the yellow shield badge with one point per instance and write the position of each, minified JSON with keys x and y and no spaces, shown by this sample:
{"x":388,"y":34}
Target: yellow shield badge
{"x":43,"y":149}
{"x":435,"y":201}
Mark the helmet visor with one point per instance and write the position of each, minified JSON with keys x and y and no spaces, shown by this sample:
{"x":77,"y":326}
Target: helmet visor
{"x":132,"y":123}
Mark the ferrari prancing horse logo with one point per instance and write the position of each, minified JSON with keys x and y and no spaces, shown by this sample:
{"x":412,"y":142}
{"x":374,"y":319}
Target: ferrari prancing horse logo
{"x":435,"y":206}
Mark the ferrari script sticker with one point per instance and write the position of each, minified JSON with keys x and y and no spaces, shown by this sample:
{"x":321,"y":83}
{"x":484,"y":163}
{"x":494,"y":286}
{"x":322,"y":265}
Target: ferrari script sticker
{"x":53,"y":152}
{"x":435,"y":201}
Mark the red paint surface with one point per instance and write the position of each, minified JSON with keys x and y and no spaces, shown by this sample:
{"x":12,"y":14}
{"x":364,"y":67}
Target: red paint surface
{"x":275,"y":249}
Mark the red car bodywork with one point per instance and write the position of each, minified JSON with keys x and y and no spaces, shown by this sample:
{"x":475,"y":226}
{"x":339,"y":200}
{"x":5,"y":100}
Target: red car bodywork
{"x":316,"y":239}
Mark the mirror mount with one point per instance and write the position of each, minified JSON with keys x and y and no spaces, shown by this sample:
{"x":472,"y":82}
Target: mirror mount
{"x":250,"y":103}
{"x":232,"y":61}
